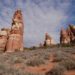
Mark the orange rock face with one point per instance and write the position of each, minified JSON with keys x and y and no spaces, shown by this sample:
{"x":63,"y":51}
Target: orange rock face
{"x":12,"y":39}
{"x":15,"y":39}
{"x":67,"y":36}
{"x":3,"y":39}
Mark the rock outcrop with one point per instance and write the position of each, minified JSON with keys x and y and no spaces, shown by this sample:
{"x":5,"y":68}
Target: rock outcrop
{"x":15,"y":39}
{"x":64,"y":37}
{"x":67,"y":36}
{"x":3,"y":39}
{"x":12,"y":39}
{"x":48,"y":40}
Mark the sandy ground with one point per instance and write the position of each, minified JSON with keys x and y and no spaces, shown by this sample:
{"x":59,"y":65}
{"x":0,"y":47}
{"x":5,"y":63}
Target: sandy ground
{"x":70,"y":72}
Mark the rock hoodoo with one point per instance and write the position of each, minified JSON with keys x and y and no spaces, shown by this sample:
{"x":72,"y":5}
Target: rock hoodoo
{"x":64,"y":37}
{"x":12,"y":39}
{"x":67,"y":36}
{"x":48,"y":40}
{"x":15,"y":39}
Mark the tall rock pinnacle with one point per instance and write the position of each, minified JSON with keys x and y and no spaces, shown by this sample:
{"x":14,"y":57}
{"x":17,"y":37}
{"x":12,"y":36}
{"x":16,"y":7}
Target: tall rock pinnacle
{"x":48,"y":40}
{"x":15,"y":40}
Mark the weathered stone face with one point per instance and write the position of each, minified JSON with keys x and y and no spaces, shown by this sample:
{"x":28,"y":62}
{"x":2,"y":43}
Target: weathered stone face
{"x":67,"y":36}
{"x":72,"y":28}
{"x":72,"y":33}
{"x":3,"y":39}
{"x":64,"y":37}
{"x":15,"y":40}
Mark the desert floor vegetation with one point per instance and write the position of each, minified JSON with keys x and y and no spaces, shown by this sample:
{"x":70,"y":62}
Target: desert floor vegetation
{"x":40,"y":61}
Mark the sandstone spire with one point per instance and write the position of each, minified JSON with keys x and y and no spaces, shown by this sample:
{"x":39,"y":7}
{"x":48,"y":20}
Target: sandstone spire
{"x":68,"y":35}
{"x":48,"y":40}
{"x":72,"y":33}
{"x":64,"y":36}
{"x":15,"y":40}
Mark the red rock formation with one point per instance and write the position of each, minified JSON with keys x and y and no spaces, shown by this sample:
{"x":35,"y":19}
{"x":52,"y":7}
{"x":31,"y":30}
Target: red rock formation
{"x":15,"y":40}
{"x":64,"y":37}
{"x":67,"y":36}
{"x":3,"y":39}
{"x":72,"y":33}
{"x":48,"y":40}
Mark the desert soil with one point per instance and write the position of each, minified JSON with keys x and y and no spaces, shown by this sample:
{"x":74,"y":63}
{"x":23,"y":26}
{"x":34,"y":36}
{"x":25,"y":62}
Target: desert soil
{"x":19,"y":60}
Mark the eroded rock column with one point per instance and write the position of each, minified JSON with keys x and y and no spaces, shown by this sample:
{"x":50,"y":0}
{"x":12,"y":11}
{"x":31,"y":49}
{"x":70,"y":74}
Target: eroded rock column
{"x":48,"y":40}
{"x":64,"y":37}
{"x":15,"y":40}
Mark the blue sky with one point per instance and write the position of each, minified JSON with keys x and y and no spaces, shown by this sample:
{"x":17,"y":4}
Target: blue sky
{"x":40,"y":16}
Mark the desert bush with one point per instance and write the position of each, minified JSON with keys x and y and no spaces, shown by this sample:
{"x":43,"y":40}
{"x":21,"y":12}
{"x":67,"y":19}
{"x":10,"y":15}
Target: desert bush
{"x":33,"y":48}
{"x":66,"y":45}
{"x":46,"y":56}
{"x":57,"y":70}
{"x":8,"y":70}
{"x":15,"y":60}
{"x":58,"y":56}
{"x":71,"y":50}
{"x":57,"y":59}
{"x":35,"y":62}
{"x":69,"y":64}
